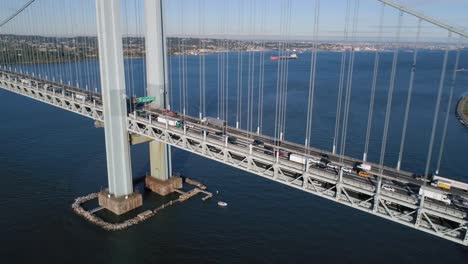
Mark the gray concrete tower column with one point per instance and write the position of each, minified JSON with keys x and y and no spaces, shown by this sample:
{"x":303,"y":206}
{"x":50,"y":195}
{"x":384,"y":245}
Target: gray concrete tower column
{"x":114,"y":97}
{"x":156,"y":76}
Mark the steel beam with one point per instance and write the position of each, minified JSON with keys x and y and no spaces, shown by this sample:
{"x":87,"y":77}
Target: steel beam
{"x":114,"y":97}
{"x":160,"y":153}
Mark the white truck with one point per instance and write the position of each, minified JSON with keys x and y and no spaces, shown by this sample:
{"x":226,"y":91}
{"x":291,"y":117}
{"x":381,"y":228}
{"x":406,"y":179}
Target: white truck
{"x":25,"y":82}
{"x":170,"y":122}
{"x":80,"y":97}
{"x":214,"y":122}
{"x":436,"y":195}
{"x":364,"y":166}
{"x":299,"y":159}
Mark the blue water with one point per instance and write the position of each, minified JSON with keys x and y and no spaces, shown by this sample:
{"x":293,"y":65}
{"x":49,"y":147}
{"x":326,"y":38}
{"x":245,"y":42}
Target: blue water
{"x":49,"y":157}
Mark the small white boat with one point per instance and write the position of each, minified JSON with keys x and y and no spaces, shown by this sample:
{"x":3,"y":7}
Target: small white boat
{"x":222,"y":204}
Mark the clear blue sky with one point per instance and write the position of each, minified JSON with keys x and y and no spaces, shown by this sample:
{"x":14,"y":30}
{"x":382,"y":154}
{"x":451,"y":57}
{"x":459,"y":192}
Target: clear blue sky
{"x":233,"y":18}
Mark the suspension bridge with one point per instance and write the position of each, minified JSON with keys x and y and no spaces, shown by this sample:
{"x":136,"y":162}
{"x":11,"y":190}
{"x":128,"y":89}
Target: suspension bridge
{"x":32,"y":69}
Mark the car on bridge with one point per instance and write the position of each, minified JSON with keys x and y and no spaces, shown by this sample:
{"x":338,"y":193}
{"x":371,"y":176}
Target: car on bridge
{"x":388,"y":188}
{"x":257,"y":142}
{"x":364,"y":174}
{"x":346,"y":169}
{"x":232,"y":140}
{"x":332,"y":166}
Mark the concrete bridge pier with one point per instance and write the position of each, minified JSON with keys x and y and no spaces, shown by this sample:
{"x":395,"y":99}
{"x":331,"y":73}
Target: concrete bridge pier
{"x":119,"y":197}
{"x":160,"y":179}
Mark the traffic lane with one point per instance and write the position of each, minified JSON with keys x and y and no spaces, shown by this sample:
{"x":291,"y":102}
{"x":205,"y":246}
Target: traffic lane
{"x":396,"y":176}
{"x":312,"y":151}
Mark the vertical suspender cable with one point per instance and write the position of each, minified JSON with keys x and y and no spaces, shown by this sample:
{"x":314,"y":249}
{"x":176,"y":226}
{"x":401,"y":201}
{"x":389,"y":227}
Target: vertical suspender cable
{"x":349,"y":82}
{"x":170,"y":56}
{"x":279,"y":76}
{"x":388,"y":110}
{"x":203,"y":64}
{"x":218,"y":57}
{"x":184,"y":76}
{"x":203,"y":59}
{"x":200,"y":57}
{"x":3,"y":40}
{"x":374,"y":85}
{"x":436,"y":112}
{"x":341,"y":82}
{"x":126,"y":42}
{"x":179,"y":57}
{"x":68,"y":38}
{"x":87,"y":48}
{"x":313,"y":70}
{"x":449,"y":106}
{"x":239,"y":70}
{"x":32,"y":58}
{"x":31,"y":61}
{"x":261,"y":78}
{"x":408,"y":98}
{"x":286,"y":70}
{"x":227,"y":63}
{"x":251,"y":68}
{"x":140,"y":36}
{"x":76,"y":52}
{"x":45,"y":54}
{"x":58,"y":46}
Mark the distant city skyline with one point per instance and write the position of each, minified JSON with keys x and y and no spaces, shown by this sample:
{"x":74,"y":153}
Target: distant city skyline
{"x":261,"y":19}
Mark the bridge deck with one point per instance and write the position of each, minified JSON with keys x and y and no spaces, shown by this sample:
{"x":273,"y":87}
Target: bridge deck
{"x":402,"y":204}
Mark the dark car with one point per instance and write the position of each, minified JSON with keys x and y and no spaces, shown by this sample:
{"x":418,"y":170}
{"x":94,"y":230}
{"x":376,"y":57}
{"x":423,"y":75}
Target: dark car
{"x":257,"y":142}
{"x":268,"y":150}
{"x":283,"y":153}
{"x":219,"y":133}
{"x":232,"y":140}
{"x":176,"y":137}
{"x":268,"y":147}
{"x":206,"y":131}
{"x":191,"y":141}
{"x":321,"y":165}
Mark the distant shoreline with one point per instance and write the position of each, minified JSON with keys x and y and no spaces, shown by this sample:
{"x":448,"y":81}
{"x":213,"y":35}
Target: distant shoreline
{"x":462,"y":110}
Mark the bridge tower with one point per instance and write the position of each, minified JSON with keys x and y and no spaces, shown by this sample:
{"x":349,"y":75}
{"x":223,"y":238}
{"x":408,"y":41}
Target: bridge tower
{"x":160,"y":180}
{"x":119,"y":198}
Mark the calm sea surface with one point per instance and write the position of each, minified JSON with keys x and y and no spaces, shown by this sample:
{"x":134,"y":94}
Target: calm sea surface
{"x":49,"y":156}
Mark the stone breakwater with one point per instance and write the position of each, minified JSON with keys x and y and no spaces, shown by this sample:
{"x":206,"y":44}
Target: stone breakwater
{"x":78,"y":209}
{"x":91,"y":217}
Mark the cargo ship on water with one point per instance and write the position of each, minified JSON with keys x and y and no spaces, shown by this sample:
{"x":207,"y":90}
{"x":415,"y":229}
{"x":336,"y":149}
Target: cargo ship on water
{"x":290,"y":57}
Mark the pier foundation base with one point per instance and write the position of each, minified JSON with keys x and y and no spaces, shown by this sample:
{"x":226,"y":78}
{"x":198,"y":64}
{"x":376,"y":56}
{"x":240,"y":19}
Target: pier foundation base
{"x":120,"y":205}
{"x":163,"y":187}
